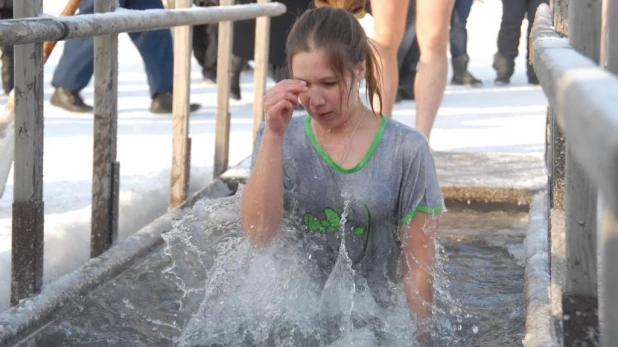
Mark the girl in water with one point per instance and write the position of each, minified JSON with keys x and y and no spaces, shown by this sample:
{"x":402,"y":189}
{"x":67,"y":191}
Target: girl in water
{"x":359,"y":182}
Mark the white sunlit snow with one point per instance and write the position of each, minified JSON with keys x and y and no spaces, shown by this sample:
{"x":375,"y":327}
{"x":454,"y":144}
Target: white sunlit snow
{"x":488,"y":119}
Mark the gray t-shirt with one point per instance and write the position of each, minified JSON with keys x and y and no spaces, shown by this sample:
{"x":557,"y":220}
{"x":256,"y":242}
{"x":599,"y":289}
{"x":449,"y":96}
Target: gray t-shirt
{"x":373,"y":200}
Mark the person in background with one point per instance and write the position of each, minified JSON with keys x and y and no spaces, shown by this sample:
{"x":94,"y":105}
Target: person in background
{"x":513,"y":14}
{"x":433,"y":18}
{"x":205,"y":39}
{"x":76,"y":65}
{"x":8,"y":73}
{"x":244,"y":42}
{"x":408,"y":54}
{"x":459,"y":44}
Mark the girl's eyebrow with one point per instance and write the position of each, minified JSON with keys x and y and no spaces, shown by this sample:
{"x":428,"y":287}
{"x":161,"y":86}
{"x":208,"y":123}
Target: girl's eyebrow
{"x":327,"y":78}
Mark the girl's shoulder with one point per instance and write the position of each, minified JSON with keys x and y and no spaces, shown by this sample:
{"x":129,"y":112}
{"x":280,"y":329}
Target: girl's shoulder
{"x":401,"y":136}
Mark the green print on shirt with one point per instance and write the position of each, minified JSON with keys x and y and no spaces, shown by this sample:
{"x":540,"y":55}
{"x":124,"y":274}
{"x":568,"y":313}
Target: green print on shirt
{"x":330,"y":223}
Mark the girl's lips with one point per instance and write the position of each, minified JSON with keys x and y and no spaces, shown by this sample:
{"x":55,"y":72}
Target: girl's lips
{"x":324,"y":115}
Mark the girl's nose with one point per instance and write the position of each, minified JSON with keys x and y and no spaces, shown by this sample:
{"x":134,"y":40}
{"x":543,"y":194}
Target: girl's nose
{"x":316,"y":99}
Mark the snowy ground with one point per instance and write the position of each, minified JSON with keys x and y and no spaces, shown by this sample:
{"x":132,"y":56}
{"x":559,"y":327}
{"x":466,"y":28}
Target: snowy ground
{"x":489,"y":119}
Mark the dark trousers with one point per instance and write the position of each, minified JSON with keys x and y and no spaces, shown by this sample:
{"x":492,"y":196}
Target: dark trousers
{"x":205,"y":47}
{"x":459,"y":33}
{"x":76,"y":66}
{"x":205,"y":38}
{"x":408,"y":54}
{"x":8,"y":73}
{"x":513,"y":14}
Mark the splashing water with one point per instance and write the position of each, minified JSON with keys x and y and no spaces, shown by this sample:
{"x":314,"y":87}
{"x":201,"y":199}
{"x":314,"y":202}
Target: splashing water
{"x":208,"y":286}
{"x":279,"y":295}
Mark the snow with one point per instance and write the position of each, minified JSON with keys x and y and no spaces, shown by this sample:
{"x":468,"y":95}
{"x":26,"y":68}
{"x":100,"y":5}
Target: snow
{"x":488,"y":119}
{"x":539,"y":330}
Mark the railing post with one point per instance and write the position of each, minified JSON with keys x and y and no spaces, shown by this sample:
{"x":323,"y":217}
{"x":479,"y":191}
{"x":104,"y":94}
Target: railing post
{"x":608,"y":238}
{"x":609,"y":36}
{"x":580,"y":296}
{"x":106,"y":170}
{"x":262,"y":42}
{"x":609,"y":300}
{"x":222,"y":128}
{"x":560,"y":12}
{"x":556,"y":152}
{"x":28,"y":216}
{"x":181,"y":143}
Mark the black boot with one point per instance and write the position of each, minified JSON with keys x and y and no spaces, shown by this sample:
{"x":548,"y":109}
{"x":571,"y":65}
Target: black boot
{"x":505,"y":67}
{"x":69,"y":100}
{"x":210,"y":77}
{"x":461,"y":75}
{"x":8,"y":73}
{"x":162,"y":104}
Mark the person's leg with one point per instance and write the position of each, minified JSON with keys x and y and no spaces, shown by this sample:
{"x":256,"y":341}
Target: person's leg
{"x":75,"y":67}
{"x":407,"y":72}
{"x":409,"y":34}
{"x":210,"y":60}
{"x":238,"y":63}
{"x":513,"y":12}
{"x":389,"y":21}
{"x":432,"y":23}
{"x":74,"y":70}
{"x":459,"y":44}
{"x":156,"y":49}
{"x":8,"y":69}
{"x":407,"y":57}
{"x":458,"y":33}
{"x":199,"y":44}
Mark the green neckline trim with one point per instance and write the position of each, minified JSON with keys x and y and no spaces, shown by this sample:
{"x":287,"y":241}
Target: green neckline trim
{"x":428,"y":210}
{"x":330,"y":161}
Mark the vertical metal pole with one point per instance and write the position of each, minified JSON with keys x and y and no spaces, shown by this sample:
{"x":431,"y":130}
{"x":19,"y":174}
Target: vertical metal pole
{"x":580,"y":296}
{"x":28,"y":208}
{"x":105,"y":177}
{"x":608,"y":237}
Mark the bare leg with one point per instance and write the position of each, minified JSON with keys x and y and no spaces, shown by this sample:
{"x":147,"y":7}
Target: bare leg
{"x":389,"y":22}
{"x":432,"y":26}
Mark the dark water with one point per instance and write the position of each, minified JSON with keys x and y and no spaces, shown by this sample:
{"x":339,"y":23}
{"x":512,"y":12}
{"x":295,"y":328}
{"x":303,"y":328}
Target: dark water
{"x":190,"y":292}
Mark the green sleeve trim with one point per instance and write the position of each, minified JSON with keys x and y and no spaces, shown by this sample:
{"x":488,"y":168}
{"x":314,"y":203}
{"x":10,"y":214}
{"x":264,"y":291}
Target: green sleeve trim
{"x":429,"y":210}
{"x":330,"y":161}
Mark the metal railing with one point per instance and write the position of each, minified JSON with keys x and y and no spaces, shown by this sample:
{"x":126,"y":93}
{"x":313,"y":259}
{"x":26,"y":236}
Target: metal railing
{"x":583,"y":164}
{"x":30,"y":30}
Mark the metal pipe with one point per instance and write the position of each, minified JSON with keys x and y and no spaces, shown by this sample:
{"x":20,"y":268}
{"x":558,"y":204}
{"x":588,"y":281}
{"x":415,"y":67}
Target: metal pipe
{"x":33,"y":30}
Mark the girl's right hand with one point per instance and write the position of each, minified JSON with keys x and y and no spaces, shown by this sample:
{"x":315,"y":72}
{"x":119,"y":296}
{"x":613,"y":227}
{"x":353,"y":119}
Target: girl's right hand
{"x":279,"y":104}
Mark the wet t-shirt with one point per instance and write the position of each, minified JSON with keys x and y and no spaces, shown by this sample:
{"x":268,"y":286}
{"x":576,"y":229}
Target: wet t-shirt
{"x":365,"y":206}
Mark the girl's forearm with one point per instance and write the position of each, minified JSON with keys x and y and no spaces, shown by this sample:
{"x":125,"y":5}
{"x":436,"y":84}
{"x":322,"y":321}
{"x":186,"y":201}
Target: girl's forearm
{"x":419,"y":290}
{"x":419,"y":248}
{"x":261,"y":209}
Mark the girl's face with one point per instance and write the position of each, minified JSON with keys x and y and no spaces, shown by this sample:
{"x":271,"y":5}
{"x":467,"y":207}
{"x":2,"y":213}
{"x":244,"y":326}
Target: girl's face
{"x":328,"y":100}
